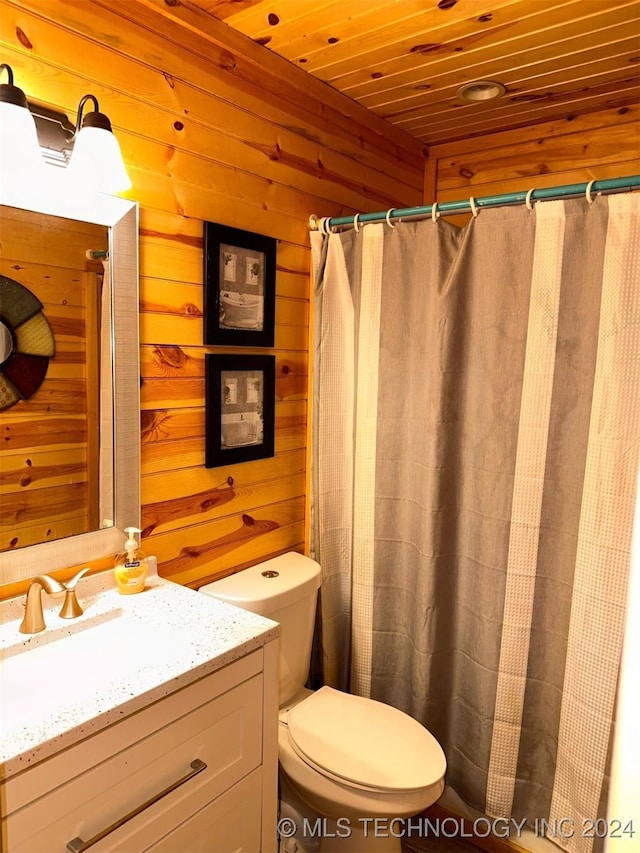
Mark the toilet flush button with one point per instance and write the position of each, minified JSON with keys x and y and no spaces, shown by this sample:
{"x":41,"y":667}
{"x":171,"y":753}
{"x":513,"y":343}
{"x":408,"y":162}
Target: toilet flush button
{"x":270,"y":574}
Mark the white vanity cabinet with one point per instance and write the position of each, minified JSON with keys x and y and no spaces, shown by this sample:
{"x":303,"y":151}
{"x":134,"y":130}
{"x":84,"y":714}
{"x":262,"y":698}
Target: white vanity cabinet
{"x":194,"y":771}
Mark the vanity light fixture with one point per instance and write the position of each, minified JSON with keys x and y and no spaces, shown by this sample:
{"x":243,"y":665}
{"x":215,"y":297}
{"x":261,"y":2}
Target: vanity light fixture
{"x":19,"y":148}
{"x":481,"y":90}
{"x":32,"y":135}
{"x":55,"y":134}
{"x":96,"y":161}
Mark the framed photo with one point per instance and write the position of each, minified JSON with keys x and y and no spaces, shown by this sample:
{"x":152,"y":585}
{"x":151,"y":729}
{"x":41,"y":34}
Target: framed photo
{"x":239,"y":287}
{"x":240,"y":405}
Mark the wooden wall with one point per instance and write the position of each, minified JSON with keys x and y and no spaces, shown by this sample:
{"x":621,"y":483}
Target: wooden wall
{"x":598,"y":145}
{"x":212,"y":127}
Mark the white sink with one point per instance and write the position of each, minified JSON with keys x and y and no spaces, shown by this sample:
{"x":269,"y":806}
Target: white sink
{"x":80,"y":675}
{"x":77,"y":666}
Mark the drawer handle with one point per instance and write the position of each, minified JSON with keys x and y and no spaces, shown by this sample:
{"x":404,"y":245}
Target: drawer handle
{"x":77,"y":845}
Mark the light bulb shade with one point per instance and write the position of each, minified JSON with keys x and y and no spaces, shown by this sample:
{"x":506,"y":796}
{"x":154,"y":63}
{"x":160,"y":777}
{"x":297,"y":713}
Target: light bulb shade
{"x":96,"y":162}
{"x":19,"y":147}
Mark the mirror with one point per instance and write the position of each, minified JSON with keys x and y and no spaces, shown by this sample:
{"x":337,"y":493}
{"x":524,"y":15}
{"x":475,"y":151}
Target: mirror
{"x":108,"y":497}
{"x":56,"y":452}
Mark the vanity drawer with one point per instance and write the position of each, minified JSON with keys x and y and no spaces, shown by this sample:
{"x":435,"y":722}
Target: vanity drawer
{"x":224,"y":733}
{"x":232,"y":822}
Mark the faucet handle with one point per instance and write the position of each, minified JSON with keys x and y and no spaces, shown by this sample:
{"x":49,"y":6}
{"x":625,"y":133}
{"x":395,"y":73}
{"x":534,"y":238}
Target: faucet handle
{"x":70,"y":607}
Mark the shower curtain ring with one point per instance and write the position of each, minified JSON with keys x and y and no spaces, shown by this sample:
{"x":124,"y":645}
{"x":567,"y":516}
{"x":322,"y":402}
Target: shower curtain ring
{"x":355,"y":222}
{"x":388,"y":217}
{"x":527,"y":200}
{"x":588,"y":195}
{"x":434,"y":211}
{"x":473,"y":206}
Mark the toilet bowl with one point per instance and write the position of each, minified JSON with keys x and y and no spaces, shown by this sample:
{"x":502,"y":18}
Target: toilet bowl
{"x":358,"y":765}
{"x":362,"y":764}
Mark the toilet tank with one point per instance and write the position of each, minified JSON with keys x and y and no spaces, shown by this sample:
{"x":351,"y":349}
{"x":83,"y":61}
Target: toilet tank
{"x":284,"y":589}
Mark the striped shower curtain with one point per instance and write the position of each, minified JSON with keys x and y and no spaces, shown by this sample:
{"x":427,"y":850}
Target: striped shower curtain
{"x":476,"y":446}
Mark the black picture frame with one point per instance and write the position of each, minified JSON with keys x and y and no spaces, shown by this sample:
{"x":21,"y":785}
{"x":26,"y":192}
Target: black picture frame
{"x":239,"y":287}
{"x":240,"y":408}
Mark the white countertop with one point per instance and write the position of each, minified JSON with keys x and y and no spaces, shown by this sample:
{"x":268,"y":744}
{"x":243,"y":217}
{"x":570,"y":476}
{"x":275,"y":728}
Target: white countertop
{"x":126,"y":651}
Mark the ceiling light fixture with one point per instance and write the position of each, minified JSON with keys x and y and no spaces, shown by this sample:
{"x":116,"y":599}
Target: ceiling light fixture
{"x":481,"y":90}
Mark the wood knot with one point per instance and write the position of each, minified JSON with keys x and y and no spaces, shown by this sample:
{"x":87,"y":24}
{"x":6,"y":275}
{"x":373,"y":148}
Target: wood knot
{"x":424,"y":48}
{"x":22,"y":38}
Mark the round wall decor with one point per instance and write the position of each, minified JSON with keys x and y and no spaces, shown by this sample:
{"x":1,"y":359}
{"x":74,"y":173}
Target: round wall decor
{"x":26,"y":343}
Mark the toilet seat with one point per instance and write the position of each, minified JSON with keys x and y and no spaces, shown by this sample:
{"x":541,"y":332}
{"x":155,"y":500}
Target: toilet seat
{"x":364,"y":743}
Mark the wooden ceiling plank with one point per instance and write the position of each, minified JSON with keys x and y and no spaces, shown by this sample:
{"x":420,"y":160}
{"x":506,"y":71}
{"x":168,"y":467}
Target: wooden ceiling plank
{"x":540,"y":32}
{"x":529,"y":115}
{"x":297,"y":22}
{"x":533,"y":84}
{"x":254,"y":21}
{"x":451,"y":129}
{"x":226,"y":10}
{"x":560,"y":98}
{"x":562,"y":55}
{"x":408,"y":23}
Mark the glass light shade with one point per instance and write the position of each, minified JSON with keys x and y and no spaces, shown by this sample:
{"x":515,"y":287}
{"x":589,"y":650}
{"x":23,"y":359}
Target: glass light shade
{"x":19,"y":148}
{"x":96,"y":162}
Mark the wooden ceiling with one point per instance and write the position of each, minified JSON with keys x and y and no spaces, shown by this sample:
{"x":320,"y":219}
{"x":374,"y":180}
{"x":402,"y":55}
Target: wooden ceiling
{"x":406,"y":59}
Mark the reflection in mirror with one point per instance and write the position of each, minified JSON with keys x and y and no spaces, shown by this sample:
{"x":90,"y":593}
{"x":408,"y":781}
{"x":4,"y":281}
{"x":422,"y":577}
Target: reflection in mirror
{"x":56,"y":451}
{"x":70,"y":456}
{"x":6,"y":343}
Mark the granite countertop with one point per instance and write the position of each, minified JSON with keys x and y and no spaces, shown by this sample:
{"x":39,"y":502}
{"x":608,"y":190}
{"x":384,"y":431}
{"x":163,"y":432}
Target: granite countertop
{"x":126,"y":651}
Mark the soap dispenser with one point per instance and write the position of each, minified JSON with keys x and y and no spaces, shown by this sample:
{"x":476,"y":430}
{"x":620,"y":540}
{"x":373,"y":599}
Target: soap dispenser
{"x":131,"y":566}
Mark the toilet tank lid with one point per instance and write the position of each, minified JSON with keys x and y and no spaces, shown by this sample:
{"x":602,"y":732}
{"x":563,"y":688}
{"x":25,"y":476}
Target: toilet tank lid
{"x":270,"y":585}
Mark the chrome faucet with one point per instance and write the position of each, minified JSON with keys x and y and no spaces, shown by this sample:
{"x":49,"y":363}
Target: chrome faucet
{"x":33,"y":621}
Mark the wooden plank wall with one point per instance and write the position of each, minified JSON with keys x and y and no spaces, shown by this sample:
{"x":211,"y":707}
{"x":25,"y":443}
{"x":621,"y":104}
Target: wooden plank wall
{"x":604,"y":144}
{"x":47,"y":468}
{"x":212,"y":127}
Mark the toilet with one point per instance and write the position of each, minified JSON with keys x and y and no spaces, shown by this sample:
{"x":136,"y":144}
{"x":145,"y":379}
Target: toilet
{"x":350,"y":767}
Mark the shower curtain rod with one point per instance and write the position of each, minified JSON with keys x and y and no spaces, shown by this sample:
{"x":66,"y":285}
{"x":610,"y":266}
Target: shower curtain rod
{"x":470,"y":204}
